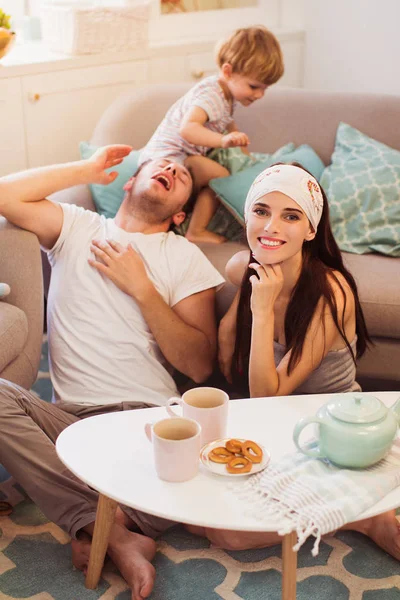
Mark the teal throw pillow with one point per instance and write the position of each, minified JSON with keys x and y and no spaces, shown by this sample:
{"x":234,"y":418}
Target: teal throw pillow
{"x":232,"y":191}
{"x":363,"y":188}
{"x":108,"y":198}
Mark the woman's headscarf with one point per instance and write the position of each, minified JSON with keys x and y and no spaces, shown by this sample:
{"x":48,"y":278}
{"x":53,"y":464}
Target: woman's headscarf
{"x":292,"y":181}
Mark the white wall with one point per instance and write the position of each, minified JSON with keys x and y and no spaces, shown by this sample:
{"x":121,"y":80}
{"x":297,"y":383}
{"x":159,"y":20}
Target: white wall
{"x":352,"y":45}
{"x":292,"y":13}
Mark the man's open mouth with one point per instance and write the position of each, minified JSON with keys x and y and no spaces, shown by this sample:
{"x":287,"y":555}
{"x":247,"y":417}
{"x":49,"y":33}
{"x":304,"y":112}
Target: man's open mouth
{"x":164,"y":180}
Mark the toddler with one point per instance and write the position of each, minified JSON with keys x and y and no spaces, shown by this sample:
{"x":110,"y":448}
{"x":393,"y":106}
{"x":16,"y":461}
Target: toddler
{"x":249,"y":61}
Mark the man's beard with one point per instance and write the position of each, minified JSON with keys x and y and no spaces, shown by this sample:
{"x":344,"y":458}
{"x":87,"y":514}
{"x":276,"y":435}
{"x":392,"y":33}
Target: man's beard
{"x":150,"y":209}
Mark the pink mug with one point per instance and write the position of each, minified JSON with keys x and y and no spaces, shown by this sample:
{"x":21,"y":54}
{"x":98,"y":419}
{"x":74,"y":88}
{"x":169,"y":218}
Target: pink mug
{"x":176,"y":445}
{"x":206,"y":405}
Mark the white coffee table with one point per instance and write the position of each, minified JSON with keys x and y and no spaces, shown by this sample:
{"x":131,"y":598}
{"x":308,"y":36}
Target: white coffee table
{"x":112,"y":454}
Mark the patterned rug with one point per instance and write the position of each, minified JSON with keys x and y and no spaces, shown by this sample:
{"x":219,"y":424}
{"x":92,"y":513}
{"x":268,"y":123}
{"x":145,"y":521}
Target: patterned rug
{"x":35,"y":561}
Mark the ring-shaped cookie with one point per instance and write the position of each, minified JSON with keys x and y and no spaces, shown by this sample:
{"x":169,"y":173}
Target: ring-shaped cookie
{"x":239,"y":464}
{"x":252,"y":451}
{"x":234,"y":446}
{"x":220,"y":455}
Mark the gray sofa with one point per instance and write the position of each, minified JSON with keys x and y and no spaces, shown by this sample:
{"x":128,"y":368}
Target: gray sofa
{"x":299,"y":116}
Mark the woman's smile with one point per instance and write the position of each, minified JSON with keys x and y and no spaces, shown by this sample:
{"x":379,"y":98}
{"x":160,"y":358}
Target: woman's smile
{"x":269,"y":243}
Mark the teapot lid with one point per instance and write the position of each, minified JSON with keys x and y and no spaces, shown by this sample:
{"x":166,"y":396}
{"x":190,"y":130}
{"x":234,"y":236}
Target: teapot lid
{"x":356,"y":408}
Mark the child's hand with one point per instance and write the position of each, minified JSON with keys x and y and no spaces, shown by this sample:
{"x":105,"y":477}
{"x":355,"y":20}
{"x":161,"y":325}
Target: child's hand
{"x":233,"y":139}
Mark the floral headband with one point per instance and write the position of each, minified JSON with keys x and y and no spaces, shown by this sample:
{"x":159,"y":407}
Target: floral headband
{"x":292,"y":181}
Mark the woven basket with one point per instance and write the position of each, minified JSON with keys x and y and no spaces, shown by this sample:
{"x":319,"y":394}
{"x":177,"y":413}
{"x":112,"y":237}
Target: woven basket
{"x":74,"y":30}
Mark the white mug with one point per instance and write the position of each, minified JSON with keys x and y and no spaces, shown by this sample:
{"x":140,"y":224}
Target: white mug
{"x":206,"y":405}
{"x":176,"y":445}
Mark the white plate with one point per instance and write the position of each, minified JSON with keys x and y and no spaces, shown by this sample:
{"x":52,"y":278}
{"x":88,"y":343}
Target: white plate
{"x":220,"y":468}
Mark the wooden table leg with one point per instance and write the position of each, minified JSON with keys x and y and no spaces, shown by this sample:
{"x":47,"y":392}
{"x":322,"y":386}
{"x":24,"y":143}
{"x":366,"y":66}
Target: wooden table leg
{"x":104,"y":520}
{"x":289,"y":566}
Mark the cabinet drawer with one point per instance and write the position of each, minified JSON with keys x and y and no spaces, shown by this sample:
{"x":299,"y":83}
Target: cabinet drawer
{"x":181,"y":68}
{"x":168,"y":69}
{"x":201,"y":65}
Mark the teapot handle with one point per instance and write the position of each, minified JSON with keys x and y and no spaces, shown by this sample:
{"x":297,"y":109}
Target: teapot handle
{"x":300,"y":425}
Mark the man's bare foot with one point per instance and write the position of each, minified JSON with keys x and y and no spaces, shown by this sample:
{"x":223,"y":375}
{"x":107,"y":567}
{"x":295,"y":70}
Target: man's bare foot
{"x":5,"y":509}
{"x":383,"y":529}
{"x":132,"y":553}
{"x":205,"y":236}
{"x":81,"y":551}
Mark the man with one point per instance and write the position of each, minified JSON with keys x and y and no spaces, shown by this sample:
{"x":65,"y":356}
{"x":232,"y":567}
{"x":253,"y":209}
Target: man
{"x":128,"y":298}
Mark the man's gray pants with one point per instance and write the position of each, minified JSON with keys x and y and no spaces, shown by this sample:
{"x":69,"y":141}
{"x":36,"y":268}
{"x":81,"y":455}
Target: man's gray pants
{"x":29,"y":428}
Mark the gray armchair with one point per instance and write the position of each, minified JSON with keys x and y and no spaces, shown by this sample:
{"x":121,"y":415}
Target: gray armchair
{"x":21,"y":312}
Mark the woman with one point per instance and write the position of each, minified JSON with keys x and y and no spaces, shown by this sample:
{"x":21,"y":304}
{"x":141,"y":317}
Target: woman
{"x":296,"y":324}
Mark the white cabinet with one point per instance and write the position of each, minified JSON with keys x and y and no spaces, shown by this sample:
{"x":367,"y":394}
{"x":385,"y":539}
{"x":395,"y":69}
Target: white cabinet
{"x":180,"y":67}
{"x":62,"y":108}
{"x":201,"y":64}
{"x":193,"y":66}
{"x":12,"y":147}
{"x":49,"y":105}
{"x":167,"y":69}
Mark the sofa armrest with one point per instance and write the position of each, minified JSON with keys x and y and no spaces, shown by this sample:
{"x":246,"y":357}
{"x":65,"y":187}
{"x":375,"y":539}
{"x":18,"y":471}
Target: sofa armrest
{"x":219,"y":255}
{"x":21,"y":268}
{"x":13,"y":333}
{"x":78,"y":194}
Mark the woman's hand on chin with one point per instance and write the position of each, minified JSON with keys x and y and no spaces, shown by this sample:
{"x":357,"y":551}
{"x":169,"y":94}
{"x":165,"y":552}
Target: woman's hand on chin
{"x":266,"y":287}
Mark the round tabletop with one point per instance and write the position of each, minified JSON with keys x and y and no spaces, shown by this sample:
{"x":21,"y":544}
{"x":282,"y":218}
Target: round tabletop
{"x":112,"y":454}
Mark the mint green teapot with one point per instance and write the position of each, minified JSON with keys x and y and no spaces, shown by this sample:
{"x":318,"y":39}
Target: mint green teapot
{"x":356,"y":430}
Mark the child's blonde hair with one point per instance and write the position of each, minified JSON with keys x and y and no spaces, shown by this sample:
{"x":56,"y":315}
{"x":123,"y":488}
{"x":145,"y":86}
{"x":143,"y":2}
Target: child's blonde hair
{"x":252,"y":52}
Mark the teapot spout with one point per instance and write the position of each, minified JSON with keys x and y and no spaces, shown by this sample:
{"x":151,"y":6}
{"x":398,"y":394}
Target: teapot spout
{"x":396,"y":410}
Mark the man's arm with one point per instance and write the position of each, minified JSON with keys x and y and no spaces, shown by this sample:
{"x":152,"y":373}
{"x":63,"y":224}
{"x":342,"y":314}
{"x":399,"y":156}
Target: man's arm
{"x":23,"y":195}
{"x":186,"y":333}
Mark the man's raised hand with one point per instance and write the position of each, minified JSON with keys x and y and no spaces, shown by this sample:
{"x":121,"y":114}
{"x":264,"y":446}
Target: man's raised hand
{"x":106,"y":158}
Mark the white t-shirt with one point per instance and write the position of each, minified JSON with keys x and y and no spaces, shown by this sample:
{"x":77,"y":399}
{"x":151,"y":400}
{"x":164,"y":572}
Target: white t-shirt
{"x":101,"y":349}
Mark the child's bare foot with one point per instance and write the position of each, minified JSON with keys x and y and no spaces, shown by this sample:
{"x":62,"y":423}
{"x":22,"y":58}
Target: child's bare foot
{"x":383,"y":529}
{"x":205,"y":236}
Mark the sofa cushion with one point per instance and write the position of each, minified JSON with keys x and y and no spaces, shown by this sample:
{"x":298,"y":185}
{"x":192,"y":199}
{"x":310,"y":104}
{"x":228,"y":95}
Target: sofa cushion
{"x":377,"y":279}
{"x":362,"y":185}
{"x":13,"y":333}
{"x":232,"y":191}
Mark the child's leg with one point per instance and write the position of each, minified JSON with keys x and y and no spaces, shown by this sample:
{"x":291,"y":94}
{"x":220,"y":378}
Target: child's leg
{"x":203,"y":170}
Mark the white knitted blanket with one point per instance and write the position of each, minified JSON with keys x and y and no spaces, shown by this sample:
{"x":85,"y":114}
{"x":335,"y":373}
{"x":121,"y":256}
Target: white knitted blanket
{"x":313,"y":496}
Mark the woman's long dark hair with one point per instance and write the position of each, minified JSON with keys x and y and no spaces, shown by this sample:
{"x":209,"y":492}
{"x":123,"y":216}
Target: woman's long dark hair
{"x":320,"y":258}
